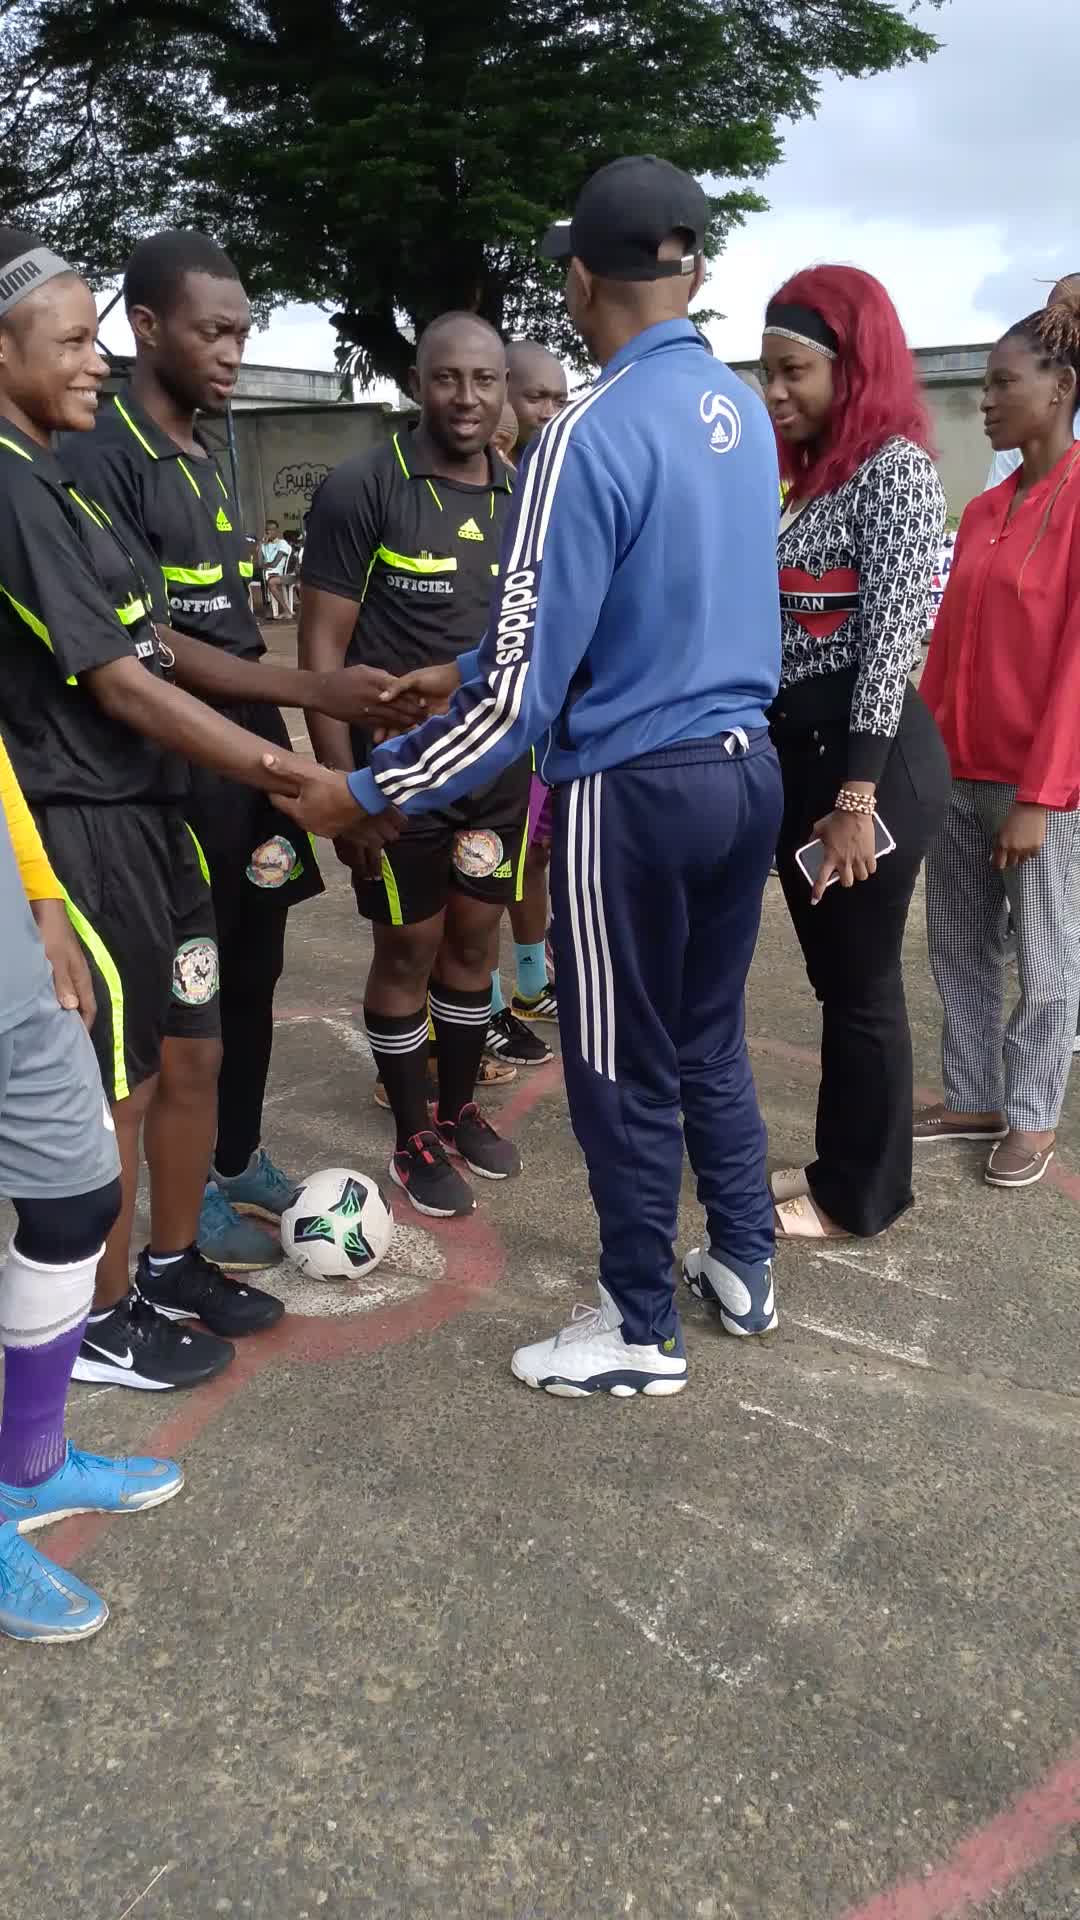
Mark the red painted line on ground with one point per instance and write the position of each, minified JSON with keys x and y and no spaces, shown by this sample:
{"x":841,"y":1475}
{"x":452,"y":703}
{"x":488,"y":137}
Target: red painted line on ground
{"x":982,"y":1864}
{"x":475,"y":1261}
{"x":989,"y":1860}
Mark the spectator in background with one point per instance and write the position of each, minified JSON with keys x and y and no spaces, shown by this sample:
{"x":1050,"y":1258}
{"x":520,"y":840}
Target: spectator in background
{"x":535,"y":389}
{"x":1008,"y":459}
{"x":1003,"y":680}
{"x":860,"y":532}
{"x":274,"y":556}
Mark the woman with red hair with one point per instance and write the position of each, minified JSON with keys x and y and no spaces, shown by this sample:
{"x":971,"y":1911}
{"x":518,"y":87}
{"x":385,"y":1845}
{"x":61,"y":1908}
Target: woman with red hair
{"x":862,"y":524}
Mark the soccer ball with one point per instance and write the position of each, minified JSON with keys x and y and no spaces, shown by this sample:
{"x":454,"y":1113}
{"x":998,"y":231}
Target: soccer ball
{"x":338,"y":1227}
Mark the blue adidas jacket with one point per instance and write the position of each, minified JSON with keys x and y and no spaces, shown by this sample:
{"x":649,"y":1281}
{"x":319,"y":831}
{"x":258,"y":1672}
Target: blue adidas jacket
{"x":637,"y":604}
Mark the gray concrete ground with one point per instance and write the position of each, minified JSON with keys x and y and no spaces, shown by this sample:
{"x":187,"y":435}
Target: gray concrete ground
{"x":417,"y":1642}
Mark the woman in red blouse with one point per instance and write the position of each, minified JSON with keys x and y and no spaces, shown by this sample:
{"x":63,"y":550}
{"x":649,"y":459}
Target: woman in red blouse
{"x":859,"y":537}
{"x":1003,"y":679}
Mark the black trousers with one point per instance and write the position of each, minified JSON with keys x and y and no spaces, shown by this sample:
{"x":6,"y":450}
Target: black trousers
{"x":852,"y":944}
{"x":252,"y":955}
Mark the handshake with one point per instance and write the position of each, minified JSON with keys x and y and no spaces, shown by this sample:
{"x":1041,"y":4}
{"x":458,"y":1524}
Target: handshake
{"x":318,"y":798}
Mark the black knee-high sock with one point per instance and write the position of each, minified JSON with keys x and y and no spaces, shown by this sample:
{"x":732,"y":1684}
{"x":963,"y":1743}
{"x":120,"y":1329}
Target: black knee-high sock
{"x":399,"y":1043}
{"x":461,"y":1020}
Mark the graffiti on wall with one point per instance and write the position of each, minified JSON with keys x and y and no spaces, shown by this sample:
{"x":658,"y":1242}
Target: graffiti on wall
{"x":294,"y":486}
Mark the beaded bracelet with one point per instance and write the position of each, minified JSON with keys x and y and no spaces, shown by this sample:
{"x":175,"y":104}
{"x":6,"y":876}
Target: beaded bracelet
{"x":847,"y":801}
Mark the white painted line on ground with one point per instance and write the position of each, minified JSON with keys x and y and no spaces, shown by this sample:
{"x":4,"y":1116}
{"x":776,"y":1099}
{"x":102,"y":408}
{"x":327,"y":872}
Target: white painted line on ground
{"x":798,"y":1426}
{"x":858,"y":1337}
{"x":412,"y":1263}
{"x":354,"y":1037}
{"x":891,"y":1273}
{"x":150,"y":1884}
{"x":647,"y":1624}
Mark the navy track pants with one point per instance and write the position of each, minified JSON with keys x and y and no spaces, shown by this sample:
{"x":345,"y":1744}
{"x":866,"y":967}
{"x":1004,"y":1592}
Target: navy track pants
{"x":657,"y":873}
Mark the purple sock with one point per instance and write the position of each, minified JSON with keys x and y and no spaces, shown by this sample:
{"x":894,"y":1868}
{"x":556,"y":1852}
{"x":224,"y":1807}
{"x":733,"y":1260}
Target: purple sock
{"x":36,"y":1381}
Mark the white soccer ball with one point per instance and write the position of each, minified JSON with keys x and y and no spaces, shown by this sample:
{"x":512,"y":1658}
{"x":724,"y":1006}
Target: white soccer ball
{"x":338,"y":1227}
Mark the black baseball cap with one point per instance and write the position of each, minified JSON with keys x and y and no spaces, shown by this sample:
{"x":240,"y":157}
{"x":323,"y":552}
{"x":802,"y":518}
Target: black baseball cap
{"x":622,"y":216}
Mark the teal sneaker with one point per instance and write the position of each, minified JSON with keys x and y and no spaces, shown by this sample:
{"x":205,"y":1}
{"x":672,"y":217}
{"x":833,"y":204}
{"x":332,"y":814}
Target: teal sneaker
{"x":86,"y":1483}
{"x":261,"y":1189}
{"x":40,"y":1601}
{"x":231,"y":1240}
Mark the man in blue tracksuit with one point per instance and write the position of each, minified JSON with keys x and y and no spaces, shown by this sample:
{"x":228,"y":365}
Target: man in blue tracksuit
{"x":635,"y":637}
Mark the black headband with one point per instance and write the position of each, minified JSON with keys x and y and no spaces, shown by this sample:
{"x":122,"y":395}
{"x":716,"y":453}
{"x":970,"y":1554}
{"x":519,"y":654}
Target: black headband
{"x":801,"y":324}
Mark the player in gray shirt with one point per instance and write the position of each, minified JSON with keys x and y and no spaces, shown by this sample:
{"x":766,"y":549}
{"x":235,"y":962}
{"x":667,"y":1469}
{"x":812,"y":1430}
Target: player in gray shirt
{"x":59,"y":1166}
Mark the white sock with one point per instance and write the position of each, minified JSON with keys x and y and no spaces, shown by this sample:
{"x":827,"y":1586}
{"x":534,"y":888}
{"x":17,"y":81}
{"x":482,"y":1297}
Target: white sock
{"x":39,"y":1303}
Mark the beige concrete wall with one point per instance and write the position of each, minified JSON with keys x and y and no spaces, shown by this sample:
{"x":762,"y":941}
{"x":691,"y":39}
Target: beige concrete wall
{"x":284,"y":456}
{"x":963,"y":451}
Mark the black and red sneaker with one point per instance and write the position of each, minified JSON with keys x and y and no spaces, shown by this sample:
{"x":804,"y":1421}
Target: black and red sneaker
{"x":484,"y":1151}
{"x":428,"y":1181}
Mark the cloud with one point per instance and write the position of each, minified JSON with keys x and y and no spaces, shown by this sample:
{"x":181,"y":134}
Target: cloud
{"x":954,"y":181}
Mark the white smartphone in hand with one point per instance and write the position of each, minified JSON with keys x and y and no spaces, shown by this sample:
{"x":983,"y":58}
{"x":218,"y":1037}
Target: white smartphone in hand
{"x":809,"y":859}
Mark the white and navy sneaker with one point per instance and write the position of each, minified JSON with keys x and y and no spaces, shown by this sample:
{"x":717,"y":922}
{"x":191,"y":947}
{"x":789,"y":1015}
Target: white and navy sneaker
{"x":743,"y":1295}
{"x":591,"y":1356}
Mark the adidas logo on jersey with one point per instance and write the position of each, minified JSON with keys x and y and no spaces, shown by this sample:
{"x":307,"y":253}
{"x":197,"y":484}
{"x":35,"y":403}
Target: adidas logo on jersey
{"x":470,"y":531}
{"x":223,"y":523}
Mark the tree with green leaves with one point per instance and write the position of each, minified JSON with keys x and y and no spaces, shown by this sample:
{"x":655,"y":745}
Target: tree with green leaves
{"x":395,"y":158}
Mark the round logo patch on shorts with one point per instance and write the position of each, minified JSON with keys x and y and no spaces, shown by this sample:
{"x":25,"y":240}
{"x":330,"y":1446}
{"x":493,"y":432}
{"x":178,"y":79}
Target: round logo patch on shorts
{"x":477,"y":853}
{"x":272,"y":863}
{"x":195,"y":972}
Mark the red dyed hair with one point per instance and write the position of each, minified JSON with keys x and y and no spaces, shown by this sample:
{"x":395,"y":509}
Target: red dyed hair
{"x":876,"y":392}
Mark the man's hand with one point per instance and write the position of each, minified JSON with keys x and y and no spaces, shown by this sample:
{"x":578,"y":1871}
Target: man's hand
{"x":434,"y":685}
{"x":367,"y":696}
{"x":71,"y":975}
{"x":848,"y":839}
{"x":1020,"y":836}
{"x":321,"y":803}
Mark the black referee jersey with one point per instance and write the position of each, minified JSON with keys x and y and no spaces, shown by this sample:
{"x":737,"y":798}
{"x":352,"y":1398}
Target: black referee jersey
{"x":176,"y":512}
{"x":418,"y":552}
{"x":72,"y":598}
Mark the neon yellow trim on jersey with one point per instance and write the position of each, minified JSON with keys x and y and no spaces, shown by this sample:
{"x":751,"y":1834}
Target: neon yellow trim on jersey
{"x":519,"y":877}
{"x":135,"y":610}
{"x":188,"y":475}
{"x":393,"y":897}
{"x":93,"y":513}
{"x":401,"y":458}
{"x":107,"y":967}
{"x":13,"y":448}
{"x":433,"y":494}
{"x":129,"y":422}
{"x":35,"y":625}
{"x":204,"y":866}
{"x":414,"y":562}
{"x":192,"y":576}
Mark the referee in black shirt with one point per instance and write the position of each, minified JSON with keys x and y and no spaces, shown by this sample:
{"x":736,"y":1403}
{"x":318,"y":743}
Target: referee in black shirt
{"x":401,"y":559}
{"x":148,"y":465}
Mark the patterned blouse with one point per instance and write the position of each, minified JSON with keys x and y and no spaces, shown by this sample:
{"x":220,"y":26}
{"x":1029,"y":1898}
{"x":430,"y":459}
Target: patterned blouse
{"x":855,"y":572}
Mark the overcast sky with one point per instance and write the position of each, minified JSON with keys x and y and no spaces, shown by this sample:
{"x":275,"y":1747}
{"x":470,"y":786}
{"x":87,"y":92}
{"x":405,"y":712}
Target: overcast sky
{"x":954,"y":182}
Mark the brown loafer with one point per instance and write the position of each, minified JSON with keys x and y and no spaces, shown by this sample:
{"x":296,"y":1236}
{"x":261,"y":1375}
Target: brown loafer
{"x":937,"y":1123}
{"x":1013,"y":1165}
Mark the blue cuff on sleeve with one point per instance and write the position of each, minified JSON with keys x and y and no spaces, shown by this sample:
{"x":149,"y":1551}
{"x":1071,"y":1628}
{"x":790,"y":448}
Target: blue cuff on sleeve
{"x":365,"y":792}
{"x":468,"y":665}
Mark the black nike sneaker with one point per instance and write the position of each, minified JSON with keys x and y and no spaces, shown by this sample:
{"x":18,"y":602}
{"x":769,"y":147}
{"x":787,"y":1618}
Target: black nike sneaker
{"x":192,"y":1288}
{"x":132,"y":1346}
{"x":428,"y":1181}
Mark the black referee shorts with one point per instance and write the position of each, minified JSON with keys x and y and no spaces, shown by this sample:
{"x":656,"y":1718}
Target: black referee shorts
{"x":260,"y":862}
{"x":476,"y":847}
{"x":139,"y":899}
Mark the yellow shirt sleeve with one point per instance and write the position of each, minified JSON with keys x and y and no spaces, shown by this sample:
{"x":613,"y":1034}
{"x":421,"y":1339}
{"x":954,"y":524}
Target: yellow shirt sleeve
{"x":38,"y":877}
